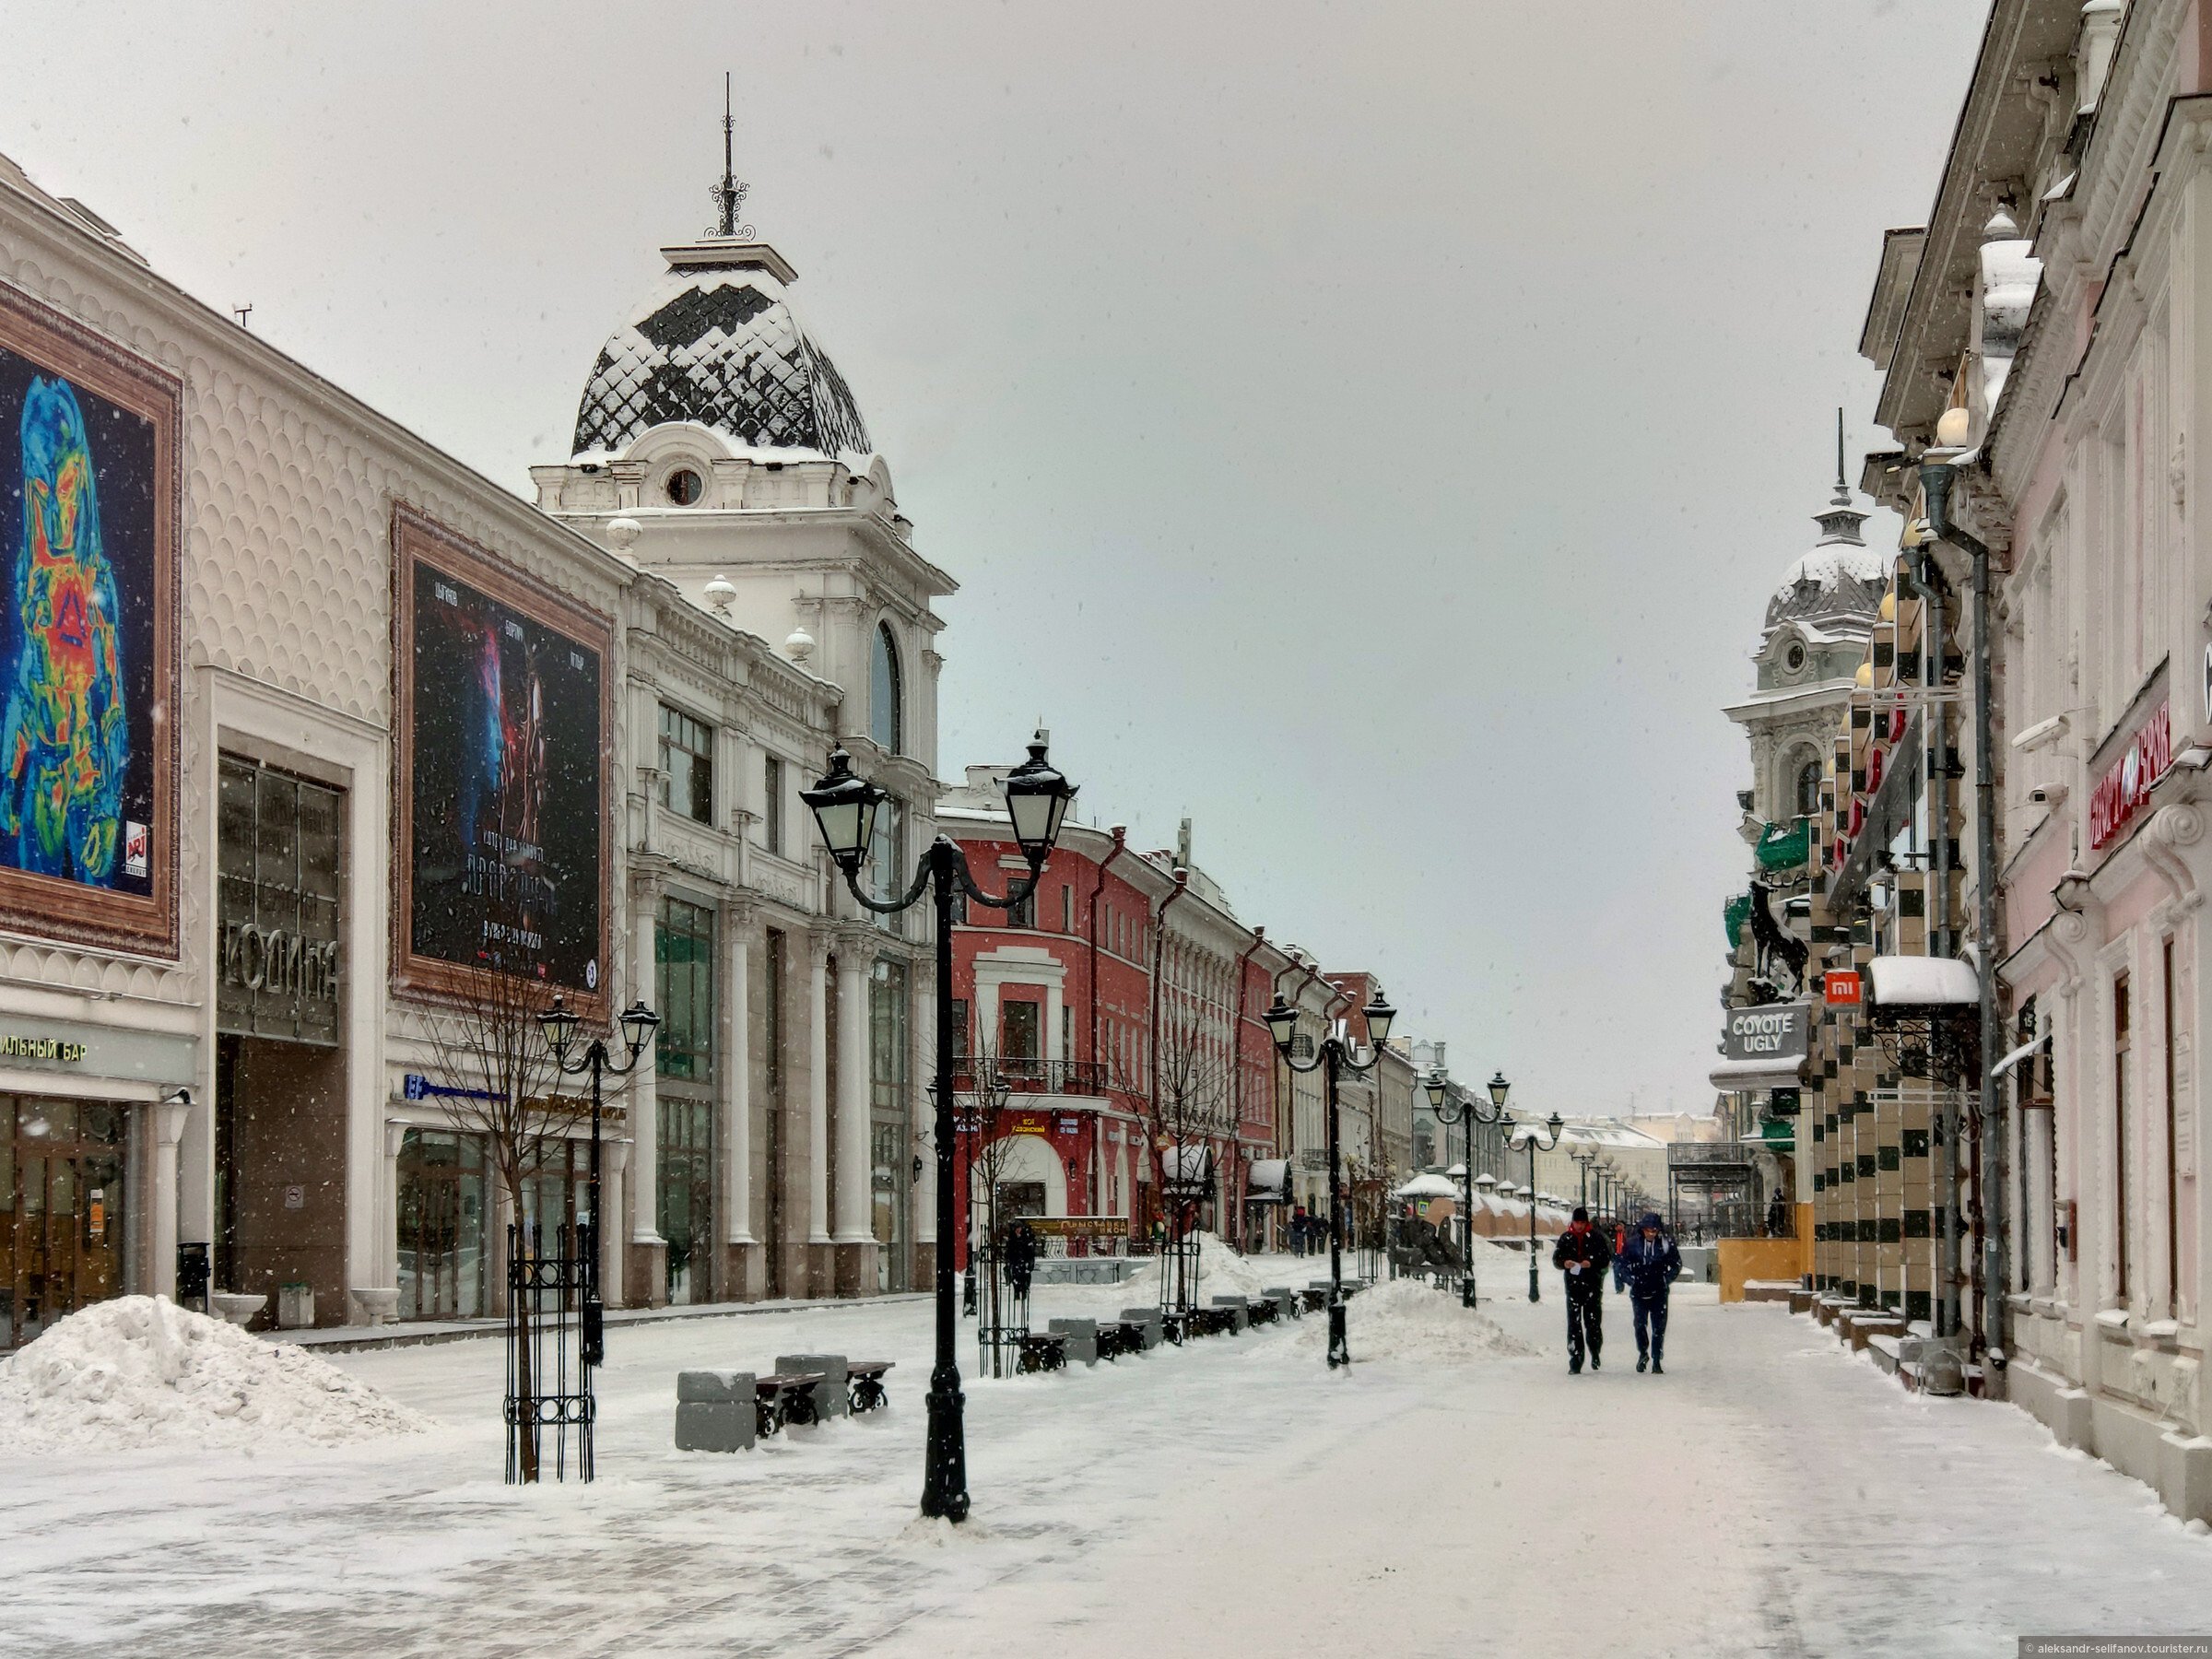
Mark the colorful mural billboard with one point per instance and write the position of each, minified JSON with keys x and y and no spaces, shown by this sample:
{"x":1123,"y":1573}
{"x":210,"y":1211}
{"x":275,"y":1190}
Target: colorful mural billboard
{"x":504,"y":708}
{"x":88,"y":517}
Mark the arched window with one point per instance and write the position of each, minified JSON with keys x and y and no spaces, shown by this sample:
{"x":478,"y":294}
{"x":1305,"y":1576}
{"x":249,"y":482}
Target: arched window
{"x":1808,"y":788}
{"x":887,"y":723}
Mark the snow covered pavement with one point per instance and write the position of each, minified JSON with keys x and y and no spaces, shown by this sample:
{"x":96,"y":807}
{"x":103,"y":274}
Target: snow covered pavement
{"x":1229,"y":1498}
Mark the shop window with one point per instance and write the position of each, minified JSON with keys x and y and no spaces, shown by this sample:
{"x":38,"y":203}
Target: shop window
{"x":684,"y":980}
{"x":686,"y":1208}
{"x":278,"y":952}
{"x":891,"y":1135}
{"x":687,"y":765}
{"x":440,"y":1225}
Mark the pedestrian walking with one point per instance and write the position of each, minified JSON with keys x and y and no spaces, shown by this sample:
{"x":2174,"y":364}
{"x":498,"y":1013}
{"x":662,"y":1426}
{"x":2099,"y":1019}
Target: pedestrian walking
{"x":1582,"y":1255}
{"x":1777,"y":1215}
{"x":1651,"y":1263}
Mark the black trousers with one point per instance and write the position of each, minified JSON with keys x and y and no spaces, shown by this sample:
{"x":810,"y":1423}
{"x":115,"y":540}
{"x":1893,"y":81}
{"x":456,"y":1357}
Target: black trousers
{"x":1651,"y":1326}
{"x":1585,"y":1327}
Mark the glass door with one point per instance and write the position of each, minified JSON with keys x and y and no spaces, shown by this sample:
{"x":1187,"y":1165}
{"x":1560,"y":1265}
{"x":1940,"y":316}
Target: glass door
{"x":440,"y":1225}
{"x":687,"y":1196}
{"x":62,"y":1225}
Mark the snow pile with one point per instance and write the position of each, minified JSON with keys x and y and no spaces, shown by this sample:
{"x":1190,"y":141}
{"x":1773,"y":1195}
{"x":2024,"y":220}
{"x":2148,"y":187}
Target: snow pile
{"x":139,"y":1370}
{"x":1405,"y":1319}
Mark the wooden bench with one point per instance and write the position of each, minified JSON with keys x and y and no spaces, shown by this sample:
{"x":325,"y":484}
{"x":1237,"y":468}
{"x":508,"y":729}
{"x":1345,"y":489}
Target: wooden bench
{"x":1263,"y":1311}
{"x":783,"y":1397}
{"x":1042,"y":1352}
{"x":864,"y":1379}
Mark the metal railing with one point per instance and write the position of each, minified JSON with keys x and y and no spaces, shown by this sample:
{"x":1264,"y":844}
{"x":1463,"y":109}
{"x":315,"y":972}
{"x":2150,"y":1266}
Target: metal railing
{"x":1029,"y":1077}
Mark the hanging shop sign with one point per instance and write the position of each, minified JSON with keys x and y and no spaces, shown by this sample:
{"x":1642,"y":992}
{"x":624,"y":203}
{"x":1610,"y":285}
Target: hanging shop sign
{"x":1775,"y":1032}
{"x":2126,"y":787}
{"x":1839,"y":987}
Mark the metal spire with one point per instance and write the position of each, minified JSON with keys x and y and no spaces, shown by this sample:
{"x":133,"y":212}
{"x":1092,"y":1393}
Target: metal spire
{"x":1842,"y":490}
{"x":730,"y":193}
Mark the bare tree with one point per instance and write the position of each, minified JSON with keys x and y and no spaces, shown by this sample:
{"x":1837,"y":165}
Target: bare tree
{"x":1185,"y":1105}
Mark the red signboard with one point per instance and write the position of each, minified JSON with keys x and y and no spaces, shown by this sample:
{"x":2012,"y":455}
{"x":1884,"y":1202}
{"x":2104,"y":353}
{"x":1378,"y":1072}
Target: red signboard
{"x":2126,"y":786}
{"x":1839,"y":987}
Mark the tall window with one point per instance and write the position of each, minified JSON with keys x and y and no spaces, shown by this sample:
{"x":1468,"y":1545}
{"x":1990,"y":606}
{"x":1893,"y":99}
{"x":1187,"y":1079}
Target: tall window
{"x":772,"y":804}
{"x":684,"y":971}
{"x":885,"y":715}
{"x":959,"y":1029}
{"x":2120,"y":1183}
{"x":887,"y":862}
{"x":1808,"y":789}
{"x":2173,"y":1188}
{"x":1067,"y":908}
{"x":1023,"y":1030}
{"x":687,"y":765}
{"x":1024,"y":914}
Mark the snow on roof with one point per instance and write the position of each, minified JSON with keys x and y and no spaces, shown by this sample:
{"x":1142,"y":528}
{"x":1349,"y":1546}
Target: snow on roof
{"x":1923,"y":980}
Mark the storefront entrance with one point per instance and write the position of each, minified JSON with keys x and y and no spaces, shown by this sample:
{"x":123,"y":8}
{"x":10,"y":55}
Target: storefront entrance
{"x":686,"y":1217}
{"x":440,"y":1226}
{"x":62,"y":1228}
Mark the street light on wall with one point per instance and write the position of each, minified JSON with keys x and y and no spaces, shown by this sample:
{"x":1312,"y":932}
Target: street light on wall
{"x":844,"y":806}
{"x":1334,"y":1058}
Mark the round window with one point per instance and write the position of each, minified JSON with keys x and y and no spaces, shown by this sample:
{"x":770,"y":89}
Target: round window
{"x":1792,"y":659}
{"x":684,"y":487}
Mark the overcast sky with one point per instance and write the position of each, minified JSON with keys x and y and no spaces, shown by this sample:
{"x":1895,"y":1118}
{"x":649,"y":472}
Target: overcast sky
{"x":1371,"y":430}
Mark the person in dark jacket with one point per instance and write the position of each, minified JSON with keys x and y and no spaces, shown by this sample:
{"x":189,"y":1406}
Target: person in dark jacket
{"x":1582,"y":1255}
{"x":1020,"y":1253}
{"x":1649,"y":1265}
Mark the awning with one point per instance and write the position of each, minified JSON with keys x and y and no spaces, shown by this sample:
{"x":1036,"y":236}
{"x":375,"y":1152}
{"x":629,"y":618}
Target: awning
{"x":1268,"y":1181}
{"x":1923,"y":981}
{"x":2019,"y":1054}
{"x":1427,"y":1186}
{"x":1775,"y":1072}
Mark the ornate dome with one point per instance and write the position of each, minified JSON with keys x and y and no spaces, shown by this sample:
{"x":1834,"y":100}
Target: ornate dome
{"x":1841,"y":582}
{"x":717,"y":343}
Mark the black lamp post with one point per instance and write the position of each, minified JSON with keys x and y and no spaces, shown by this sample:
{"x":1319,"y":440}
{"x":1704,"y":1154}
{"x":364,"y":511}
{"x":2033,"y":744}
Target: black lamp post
{"x":1528,"y":1134}
{"x":1583,"y":1160}
{"x":1336,"y":1057}
{"x":844,"y":806}
{"x":1449,"y":1111}
{"x":559,"y":1024}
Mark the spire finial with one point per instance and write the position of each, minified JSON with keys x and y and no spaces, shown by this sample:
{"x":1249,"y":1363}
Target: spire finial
{"x":729,"y":193}
{"x":1842,"y":490}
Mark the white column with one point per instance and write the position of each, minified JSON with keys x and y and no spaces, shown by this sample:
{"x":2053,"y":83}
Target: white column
{"x":737,"y":1073}
{"x":856,"y":1213}
{"x":818,"y":1090}
{"x":614,"y":1160}
{"x":395,"y":1136}
{"x":170,"y":1118}
{"x":923,"y":1050}
{"x":644,"y":1090}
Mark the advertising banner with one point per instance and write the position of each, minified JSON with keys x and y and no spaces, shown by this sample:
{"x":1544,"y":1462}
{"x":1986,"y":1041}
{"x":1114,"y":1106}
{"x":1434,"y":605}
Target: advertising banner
{"x":88,"y":551}
{"x":504,"y":714}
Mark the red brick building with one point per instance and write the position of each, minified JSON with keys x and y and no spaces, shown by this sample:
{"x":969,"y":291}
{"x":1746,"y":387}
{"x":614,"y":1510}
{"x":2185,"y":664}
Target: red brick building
{"x":1122,"y":1006}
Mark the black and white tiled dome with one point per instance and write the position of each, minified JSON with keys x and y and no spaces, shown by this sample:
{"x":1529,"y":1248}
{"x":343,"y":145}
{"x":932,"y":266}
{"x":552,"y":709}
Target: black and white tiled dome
{"x":720,"y":346}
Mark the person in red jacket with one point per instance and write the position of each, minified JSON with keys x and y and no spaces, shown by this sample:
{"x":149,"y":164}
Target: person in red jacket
{"x":1582,"y":1254}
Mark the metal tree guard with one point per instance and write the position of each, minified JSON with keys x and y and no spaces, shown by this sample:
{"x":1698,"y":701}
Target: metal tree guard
{"x":844,"y":806}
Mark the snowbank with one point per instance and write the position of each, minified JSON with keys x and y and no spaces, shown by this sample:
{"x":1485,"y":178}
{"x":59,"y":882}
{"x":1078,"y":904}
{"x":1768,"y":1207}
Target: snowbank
{"x":139,"y":1371}
{"x":1405,"y":1319}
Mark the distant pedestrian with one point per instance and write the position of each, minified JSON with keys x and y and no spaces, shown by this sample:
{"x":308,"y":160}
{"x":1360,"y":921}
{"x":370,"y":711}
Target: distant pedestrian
{"x":1778,"y":1215}
{"x":1020,"y":1256}
{"x":1582,"y":1254}
{"x":1651,"y":1263}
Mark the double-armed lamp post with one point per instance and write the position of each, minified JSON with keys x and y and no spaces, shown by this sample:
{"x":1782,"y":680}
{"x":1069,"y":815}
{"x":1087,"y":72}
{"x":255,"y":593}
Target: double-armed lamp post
{"x":1528,"y":1134}
{"x":1449,"y":1111}
{"x":559,"y":1024}
{"x":844,"y":806}
{"x":1334,"y":1057}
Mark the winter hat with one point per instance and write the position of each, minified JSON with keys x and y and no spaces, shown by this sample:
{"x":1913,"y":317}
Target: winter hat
{"x":1650,"y":1220}
{"x":1581,"y":1214}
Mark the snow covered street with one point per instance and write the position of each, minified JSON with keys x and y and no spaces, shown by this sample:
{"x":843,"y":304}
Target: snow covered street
{"x":1229,"y":1497}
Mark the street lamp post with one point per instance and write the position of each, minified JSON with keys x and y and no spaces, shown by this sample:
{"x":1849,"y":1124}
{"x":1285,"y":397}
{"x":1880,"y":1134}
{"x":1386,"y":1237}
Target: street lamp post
{"x":844,"y":806}
{"x":1528,"y":1137}
{"x":1334,"y":1058}
{"x":1449,"y":1111}
{"x":558,"y":1024}
{"x":1585,"y":1159}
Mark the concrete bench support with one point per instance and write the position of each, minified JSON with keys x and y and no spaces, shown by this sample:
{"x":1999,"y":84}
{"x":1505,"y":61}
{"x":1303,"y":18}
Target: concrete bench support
{"x":829,"y":1396}
{"x":1082,"y":1339}
{"x":714,"y":1411}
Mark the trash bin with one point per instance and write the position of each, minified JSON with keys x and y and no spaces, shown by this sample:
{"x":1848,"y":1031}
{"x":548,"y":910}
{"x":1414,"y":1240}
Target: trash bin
{"x":294,"y":1307}
{"x":191,"y":1277}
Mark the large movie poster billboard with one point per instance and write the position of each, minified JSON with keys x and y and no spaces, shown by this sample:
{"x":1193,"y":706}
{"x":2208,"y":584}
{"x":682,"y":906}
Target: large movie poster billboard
{"x":88,"y":550}
{"x":503,"y":712}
